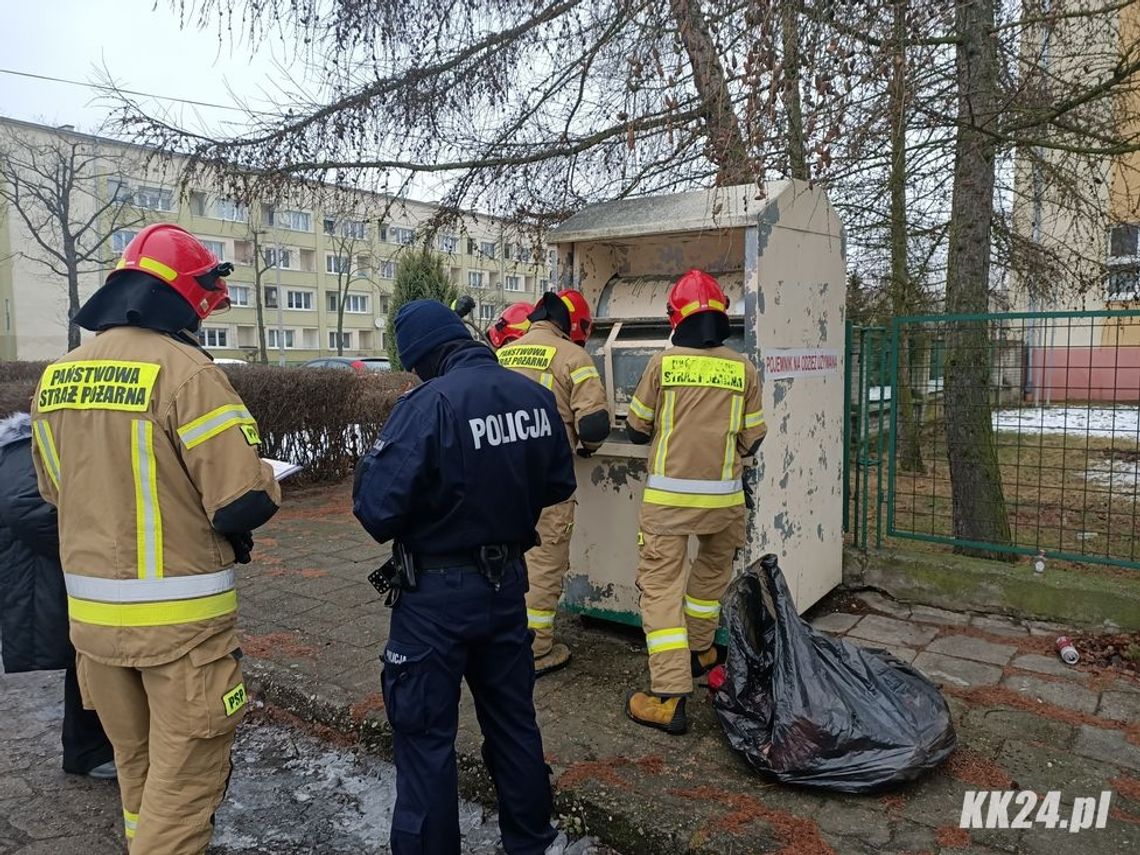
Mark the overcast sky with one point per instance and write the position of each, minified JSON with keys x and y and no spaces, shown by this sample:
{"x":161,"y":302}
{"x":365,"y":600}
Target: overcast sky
{"x":142,"y":47}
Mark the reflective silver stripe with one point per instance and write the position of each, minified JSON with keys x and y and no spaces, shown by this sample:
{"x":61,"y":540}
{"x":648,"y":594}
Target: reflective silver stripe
{"x":149,"y":590}
{"x":47,"y":449}
{"x":148,"y":515}
{"x":200,"y":430}
{"x":583,"y":374}
{"x":693,"y":485}
{"x":640,"y":410}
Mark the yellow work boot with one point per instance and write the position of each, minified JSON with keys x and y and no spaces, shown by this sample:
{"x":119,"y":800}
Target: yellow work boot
{"x":703,"y":661}
{"x":667,"y":714}
{"x":557,"y":657}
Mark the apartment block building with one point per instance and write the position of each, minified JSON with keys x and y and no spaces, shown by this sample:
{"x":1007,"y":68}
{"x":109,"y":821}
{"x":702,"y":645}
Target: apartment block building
{"x":318,"y":254}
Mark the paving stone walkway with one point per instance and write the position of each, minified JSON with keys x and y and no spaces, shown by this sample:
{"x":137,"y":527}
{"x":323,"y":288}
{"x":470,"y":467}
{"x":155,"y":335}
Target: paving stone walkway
{"x":313,"y":629}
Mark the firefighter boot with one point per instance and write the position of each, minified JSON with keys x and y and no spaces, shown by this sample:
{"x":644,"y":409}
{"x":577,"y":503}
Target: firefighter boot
{"x":667,"y":714}
{"x":558,"y":656}
{"x":703,"y":661}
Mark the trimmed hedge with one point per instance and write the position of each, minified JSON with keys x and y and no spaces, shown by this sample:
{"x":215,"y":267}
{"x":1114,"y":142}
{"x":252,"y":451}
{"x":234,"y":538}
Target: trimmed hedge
{"x":322,"y":419}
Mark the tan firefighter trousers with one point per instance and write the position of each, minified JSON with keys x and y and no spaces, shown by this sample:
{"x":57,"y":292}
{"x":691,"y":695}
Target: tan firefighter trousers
{"x":680,"y":611}
{"x":172,"y":737}
{"x":546,"y":566}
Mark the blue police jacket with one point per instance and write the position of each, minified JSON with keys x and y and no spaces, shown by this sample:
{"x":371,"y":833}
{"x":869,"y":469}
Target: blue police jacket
{"x":467,"y":459}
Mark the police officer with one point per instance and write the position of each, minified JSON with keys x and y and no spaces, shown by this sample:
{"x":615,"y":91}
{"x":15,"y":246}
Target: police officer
{"x":551,"y":352}
{"x":458,"y":479}
{"x":699,"y":403}
{"x":151,"y":458}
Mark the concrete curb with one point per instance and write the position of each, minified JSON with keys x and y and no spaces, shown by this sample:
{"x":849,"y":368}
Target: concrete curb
{"x":969,"y":584}
{"x":613,"y":817}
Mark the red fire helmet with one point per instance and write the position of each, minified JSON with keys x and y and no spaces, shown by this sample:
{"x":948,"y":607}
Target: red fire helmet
{"x":695,"y":292}
{"x":580,"y":321}
{"x":174,"y":256}
{"x":511,"y":325}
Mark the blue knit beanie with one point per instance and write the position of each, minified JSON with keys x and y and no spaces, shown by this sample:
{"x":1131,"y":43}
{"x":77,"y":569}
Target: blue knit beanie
{"x":424,"y":325}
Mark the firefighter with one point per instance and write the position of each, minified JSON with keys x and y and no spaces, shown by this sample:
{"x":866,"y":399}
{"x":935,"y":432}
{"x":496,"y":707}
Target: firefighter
{"x":151,"y":458}
{"x":552,"y":352}
{"x":699,"y":403}
{"x":511,"y":325}
{"x":463,"y":468}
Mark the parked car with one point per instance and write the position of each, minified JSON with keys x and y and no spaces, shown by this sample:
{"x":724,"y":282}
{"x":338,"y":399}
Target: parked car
{"x":360,"y":364}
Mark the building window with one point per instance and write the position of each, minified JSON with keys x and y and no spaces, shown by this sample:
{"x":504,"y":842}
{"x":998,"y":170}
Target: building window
{"x":295,"y":221}
{"x":543,"y":285}
{"x":273,"y":339}
{"x":472,"y":246}
{"x":513,"y":283}
{"x":272,"y":255}
{"x":120,"y":239}
{"x":239,"y":294}
{"x":387,"y":270}
{"x":384,"y":304}
{"x":356,"y":304}
{"x":345,"y":340}
{"x":486,"y":312}
{"x":299,"y":300}
{"x":523,"y":253}
{"x":331,"y":300}
{"x":218,"y":247}
{"x":231,"y":211}
{"x":1123,"y":281}
{"x":400,"y":235}
{"x":449,"y":243}
{"x":345,"y":228}
{"x":363,"y":265}
{"x":271,"y":297}
{"x":551,"y":257}
{"x":487,"y":248}
{"x":475,"y":279}
{"x":336,"y":264}
{"x":213,"y":337}
{"x":153,"y":199}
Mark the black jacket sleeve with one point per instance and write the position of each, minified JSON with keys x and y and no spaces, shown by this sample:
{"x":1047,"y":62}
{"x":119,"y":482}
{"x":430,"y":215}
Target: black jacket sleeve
{"x":22,"y":509}
{"x":635,"y":436}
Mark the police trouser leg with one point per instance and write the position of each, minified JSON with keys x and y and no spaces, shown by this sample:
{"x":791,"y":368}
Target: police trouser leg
{"x":547,"y":564}
{"x":661,"y":580}
{"x":709,"y":577}
{"x":175,"y":723}
{"x":500,"y":674}
{"x":118,"y":696}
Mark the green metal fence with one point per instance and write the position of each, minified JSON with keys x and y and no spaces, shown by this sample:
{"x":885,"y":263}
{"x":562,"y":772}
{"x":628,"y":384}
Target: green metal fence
{"x":1051,"y":399}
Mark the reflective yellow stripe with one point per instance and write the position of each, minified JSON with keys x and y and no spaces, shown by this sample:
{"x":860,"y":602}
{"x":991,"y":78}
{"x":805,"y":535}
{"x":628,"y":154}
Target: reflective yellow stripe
{"x":162,"y":271}
{"x":755,"y":419}
{"x":584,"y":374}
{"x":213,"y":423}
{"x":130,"y":823}
{"x":152,"y":614}
{"x":689,"y":308}
{"x":46,"y":444}
{"x":693,"y":500}
{"x":734,"y":420}
{"x":640,"y":410}
{"x":539,"y":619}
{"x":148,"y":514}
{"x":710,"y":371}
{"x":702,"y":609}
{"x":670,"y":399}
{"x":662,"y":640}
{"x":546,"y":380}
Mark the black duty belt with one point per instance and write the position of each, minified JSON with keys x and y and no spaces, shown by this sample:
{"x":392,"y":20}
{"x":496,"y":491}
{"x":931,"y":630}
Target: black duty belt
{"x":478,"y":558}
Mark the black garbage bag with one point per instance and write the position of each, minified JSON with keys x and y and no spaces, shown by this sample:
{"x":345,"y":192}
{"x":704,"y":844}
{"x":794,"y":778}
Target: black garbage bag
{"x":808,"y":709}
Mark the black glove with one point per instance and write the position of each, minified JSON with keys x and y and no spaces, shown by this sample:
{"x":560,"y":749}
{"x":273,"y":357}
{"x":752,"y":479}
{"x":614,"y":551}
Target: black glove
{"x":585,"y":452}
{"x":243,"y":546}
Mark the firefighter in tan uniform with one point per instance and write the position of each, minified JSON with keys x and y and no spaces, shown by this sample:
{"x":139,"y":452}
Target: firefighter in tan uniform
{"x":151,"y":458}
{"x":699,"y":403}
{"x":552,"y":352}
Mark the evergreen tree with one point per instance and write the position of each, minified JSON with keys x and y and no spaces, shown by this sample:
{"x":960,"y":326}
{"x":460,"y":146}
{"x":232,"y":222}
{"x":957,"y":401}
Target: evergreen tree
{"x":420,"y":275}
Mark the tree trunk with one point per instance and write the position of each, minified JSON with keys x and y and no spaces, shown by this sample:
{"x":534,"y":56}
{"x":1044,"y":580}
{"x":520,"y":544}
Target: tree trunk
{"x":903,"y":302}
{"x":725,"y":143}
{"x":73,"y":332}
{"x":979,"y":510}
{"x":341,"y":296}
{"x":259,"y":298}
{"x":790,"y":37}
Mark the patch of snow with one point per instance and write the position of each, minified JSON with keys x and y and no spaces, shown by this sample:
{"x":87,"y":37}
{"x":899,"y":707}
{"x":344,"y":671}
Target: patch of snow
{"x":1117,"y":423}
{"x":1118,"y":475}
